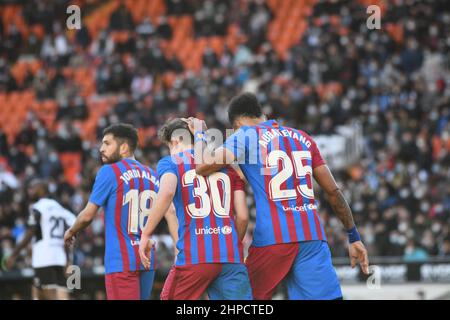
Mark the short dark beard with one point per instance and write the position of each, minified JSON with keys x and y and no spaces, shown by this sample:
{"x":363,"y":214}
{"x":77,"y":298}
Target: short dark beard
{"x":115,"y":157}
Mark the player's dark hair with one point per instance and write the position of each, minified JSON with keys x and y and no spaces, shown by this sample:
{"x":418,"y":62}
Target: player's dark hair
{"x":38,"y":182}
{"x":40,"y":186}
{"x":244,"y":105}
{"x":125,"y":132}
{"x":166,"y":132}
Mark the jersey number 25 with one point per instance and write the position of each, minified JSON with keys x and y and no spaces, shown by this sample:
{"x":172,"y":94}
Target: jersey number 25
{"x":301,"y":171}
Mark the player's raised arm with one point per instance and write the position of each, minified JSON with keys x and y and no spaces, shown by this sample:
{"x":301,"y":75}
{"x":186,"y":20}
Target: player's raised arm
{"x":210,"y":163}
{"x":168,"y":187}
{"x":221,"y":158}
{"x":357,"y":251}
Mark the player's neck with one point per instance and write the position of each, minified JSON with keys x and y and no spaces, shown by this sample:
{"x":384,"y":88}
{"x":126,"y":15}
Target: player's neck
{"x":246,"y":121}
{"x":129,"y":158}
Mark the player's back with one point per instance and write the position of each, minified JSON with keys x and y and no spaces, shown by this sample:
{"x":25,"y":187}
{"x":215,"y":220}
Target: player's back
{"x":278,"y":162}
{"x":50,"y":220}
{"x":126,"y":190}
{"x":204,"y":205}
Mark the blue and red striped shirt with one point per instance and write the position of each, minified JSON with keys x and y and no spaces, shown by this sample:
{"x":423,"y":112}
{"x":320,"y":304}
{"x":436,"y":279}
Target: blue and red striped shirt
{"x":204,"y":206}
{"x":278,"y":162}
{"x":126,"y":190}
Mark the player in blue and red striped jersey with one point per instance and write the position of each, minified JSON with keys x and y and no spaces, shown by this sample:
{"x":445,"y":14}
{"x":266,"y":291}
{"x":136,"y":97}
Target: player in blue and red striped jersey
{"x":212,"y":218}
{"x":289,"y":240}
{"x":126,"y":190}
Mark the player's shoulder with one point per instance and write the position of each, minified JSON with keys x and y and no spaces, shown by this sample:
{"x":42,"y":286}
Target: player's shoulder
{"x":303,"y":134}
{"x":151,"y":170}
{"x":166,"y":160}
{"x":175,"y":159}
{"x":166,"y":163}
{"x":44,"y":204}
{"x":39,"y":205}
{"x":246,"y":129}
{"x":144,"y":167}
{"x":295,"y":130}
{"x":106,"y":170}
{"x":242,"y":133}
{"x":153,"y":175}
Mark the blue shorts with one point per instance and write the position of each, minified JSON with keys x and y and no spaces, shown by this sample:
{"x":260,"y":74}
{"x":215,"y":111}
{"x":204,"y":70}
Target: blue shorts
{"x":221,"y":281}
{"x":146,"y":284}
{"x":306,"y":267}
{"x":231,"y":284}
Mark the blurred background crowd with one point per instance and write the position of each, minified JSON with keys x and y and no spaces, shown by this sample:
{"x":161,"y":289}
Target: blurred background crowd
{"x":313,"y":64}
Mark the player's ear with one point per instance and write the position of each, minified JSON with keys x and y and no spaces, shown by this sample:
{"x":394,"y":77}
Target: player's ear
{"x":124,"y":148}
{"x":237,"y":124}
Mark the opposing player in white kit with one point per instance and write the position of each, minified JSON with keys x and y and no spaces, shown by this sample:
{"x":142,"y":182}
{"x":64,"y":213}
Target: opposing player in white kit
{"x":46,"y":225}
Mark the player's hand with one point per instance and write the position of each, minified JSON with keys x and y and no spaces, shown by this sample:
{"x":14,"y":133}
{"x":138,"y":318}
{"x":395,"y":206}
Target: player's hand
{"x":145,"y":246}
{"x":195,"y":124}
{"x":358,"y":254}
{"x":8,"y":262}
{"x":69,"y":238}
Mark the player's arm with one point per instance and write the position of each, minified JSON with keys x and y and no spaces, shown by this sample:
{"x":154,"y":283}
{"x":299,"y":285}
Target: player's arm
{"x":32,"y":223}
{"x":221,"y":158}
{"x":69,"y":256}
{"x":168,"y":187}
{"x":210,"y":163}
{"x":172,"y":224}
{"x":240,"y":202}
{"x":242,"y":215}
{"x":10,"y":260}
{"x":83,"y":220}
{"x":69,"y":221}
{"x":357,"y":251}
{"x":103,"y":187}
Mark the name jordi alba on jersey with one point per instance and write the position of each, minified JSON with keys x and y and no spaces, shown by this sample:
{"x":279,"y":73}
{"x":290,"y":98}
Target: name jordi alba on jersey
{"x":126,"y":190}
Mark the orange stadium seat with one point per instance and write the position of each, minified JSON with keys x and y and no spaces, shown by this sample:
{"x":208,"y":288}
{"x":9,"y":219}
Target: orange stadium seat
{"x":71,"y":163}
{"x":216,"y":44}
{"x":284,"y":31}
{"x":289,"y":23}
{"x":169,"y":78}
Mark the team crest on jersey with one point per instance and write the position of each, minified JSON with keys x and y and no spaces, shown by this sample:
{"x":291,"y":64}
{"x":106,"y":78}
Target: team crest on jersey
{"x":226,"y":230}
{"x":217,"y":230}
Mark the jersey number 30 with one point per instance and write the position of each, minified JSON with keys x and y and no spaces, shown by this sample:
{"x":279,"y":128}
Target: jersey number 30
{"x":220,"y":205}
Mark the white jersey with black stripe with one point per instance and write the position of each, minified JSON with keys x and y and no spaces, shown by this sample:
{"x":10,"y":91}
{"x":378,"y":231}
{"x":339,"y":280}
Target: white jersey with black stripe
{"x":51,"y":220}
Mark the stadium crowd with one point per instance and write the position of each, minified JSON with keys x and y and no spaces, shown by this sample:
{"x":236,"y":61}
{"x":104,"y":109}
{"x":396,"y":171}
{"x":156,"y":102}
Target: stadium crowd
{"x":397,"y":86}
